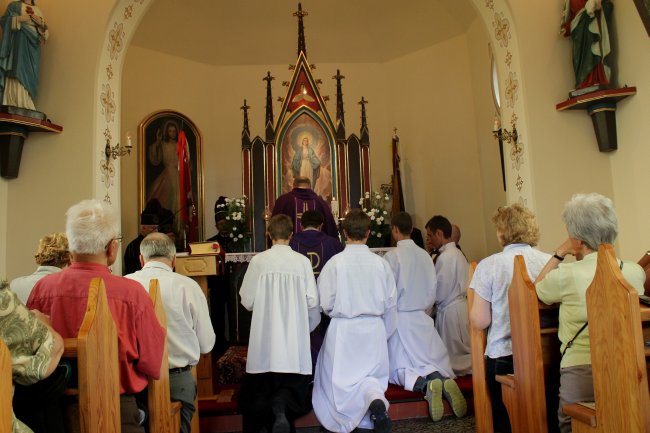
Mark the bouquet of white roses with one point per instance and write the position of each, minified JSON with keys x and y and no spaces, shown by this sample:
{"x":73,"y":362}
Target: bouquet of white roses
{"x":236,"y":223}
{"x":375,"y":205}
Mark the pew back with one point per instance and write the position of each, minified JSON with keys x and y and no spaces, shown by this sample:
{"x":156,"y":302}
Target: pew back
{"x":96,"y":351}
{"x":482,"y":402}
{"x":617,"y":350}
{"x":524,"y":392}
{"x":162,"y":419}
{"x":6,"y":387}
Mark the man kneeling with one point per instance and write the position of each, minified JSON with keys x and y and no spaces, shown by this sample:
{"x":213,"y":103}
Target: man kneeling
{"x":279,"y":287}
{"x":357,"y":290}
{"x":418,"y":358}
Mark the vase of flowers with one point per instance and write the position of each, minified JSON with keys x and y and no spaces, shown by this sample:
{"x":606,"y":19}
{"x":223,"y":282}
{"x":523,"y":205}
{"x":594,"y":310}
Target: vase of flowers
{"x":237,"y":223}
{"x":376,"y":206}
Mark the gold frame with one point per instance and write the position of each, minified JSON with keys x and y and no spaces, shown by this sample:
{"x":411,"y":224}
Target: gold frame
{"x":146,"y":128}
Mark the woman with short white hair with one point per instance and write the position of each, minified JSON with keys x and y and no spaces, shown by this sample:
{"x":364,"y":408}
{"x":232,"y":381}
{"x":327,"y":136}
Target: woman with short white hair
{"x":590,"y":221}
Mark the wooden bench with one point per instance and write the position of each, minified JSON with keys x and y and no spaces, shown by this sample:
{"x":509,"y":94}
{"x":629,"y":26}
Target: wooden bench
{"x":534,"y":350}
{"x":618,"y":355}
{"x":96,"y":352}
{"x":6,"y":387}
{"x":482,"y":402}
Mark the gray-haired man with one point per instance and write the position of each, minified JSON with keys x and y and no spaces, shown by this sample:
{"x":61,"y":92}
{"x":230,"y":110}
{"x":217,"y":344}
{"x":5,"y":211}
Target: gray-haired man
{"x":189,"y":330}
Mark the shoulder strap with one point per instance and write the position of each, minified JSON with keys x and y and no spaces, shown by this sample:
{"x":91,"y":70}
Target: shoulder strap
{"x":570,"y":343}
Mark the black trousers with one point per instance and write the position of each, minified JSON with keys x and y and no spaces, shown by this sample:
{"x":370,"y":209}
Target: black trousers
{"x":494,"y":366}
{"x":41,"y":405}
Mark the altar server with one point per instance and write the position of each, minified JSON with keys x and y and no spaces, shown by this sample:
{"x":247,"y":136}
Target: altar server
{"x":279,"y":287}
{"x":418,"y":358}
{"x":357,"y":290}
{"x":452,"y":269}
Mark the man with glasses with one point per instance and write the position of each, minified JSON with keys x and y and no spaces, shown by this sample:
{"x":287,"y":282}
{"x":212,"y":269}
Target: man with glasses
{"x":92,"y":229}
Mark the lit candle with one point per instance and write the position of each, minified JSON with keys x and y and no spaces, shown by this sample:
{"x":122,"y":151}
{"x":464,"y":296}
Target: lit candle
{"x":128,"y":141}
{"x":497,"y":123}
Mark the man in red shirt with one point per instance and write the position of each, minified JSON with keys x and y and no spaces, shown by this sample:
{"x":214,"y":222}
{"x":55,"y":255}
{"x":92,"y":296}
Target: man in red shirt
{"x":93,"y":234}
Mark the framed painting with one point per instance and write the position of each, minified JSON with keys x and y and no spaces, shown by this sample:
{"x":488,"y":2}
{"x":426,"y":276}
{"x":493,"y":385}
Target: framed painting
{"x":643,"y":7}
{"x":306,"y":150}
{"x":170,"y":177}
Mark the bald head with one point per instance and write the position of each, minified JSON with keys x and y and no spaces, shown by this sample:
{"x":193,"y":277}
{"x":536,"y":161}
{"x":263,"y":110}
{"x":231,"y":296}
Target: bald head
{"x":455,"y":233}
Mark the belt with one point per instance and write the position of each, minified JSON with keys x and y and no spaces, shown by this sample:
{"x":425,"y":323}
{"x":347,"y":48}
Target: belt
{"x":179,"y":369}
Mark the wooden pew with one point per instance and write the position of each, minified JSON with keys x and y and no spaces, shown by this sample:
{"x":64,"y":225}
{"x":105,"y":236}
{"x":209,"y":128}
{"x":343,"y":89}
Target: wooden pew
{"x":617,"y":355}
{"x":533,"y":348}
{"x":6,"y":389}
{"x":96,"y":352}
{"x":164,"y":416}
{"x":482,"y":402}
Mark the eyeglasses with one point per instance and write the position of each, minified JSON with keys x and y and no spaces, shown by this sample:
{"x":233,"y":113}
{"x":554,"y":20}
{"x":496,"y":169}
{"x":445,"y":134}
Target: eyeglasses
{"x":117,"y":238}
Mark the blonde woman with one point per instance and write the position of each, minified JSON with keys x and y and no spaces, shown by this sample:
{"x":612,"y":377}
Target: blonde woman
{"x":51,"y":256}
{"x":518,"y":233}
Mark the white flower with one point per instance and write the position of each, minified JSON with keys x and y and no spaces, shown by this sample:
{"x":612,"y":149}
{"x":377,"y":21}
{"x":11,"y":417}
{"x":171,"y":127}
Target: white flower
{"x":365,"y":210}
{"x":244,"y":196}
{"x":386,"y":197}
{"x":231,"y":235}
{"x":228,"y":218}
{"x":380,"y":219}
{"x":235,"y":239}
{"x":373,"y":232}
{"x":367,"y":195}
{"x":378,"y":235}
{"x":240,"y":236}
{"x":360,"y":201}
{"x":234,"y":229}
{"x":377,"y":196}
{"x":385,"y":213}
{"x":228,"y":200}
{"x":372,"y":217}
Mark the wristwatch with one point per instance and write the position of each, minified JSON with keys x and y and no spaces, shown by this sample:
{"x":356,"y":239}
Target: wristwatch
{"x":560,"y":258}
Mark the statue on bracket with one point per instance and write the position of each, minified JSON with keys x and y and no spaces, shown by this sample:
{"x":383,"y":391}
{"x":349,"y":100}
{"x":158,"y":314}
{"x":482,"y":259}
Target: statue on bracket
{"x":23,"y":31}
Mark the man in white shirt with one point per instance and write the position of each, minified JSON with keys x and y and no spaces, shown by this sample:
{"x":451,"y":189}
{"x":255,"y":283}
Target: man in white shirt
{"x":357,"y":290}
{"x":189,"y":330}
{"x":280,"y":288}
{"x":418,"y":358}
{"x":452,"y":320}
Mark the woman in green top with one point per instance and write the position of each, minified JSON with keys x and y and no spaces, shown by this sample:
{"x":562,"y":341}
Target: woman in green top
{"x":591,"y":221}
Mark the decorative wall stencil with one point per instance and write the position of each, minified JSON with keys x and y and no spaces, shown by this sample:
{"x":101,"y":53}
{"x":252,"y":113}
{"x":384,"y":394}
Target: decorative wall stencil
{"x":508,"y":58}
{"x":128,"y":11}
{"x":489,"y":4}
{"x":108,"y":102}
{"x":520,"y":183}
{"x":517,"y":155}
{"x":512,"y":89}
{"x":501,"y":29}
{"x":116,"y":41}
{"x":109,"y":71}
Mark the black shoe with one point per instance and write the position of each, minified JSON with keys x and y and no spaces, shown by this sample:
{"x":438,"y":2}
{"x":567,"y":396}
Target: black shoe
{"x":281,"y":424}
{"x":379,"y":417}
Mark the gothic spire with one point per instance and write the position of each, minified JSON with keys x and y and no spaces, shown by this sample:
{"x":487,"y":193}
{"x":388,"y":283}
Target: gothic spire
{"x":246,"y":133}
{"x":365,"y":136}
{"x":301,"y":30}
{"x":269,"y":108}
{"x":340,"y":113}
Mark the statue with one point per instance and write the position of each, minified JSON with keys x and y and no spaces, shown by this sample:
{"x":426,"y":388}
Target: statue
{"x":24,"y":29}
{"x":586,"y":22}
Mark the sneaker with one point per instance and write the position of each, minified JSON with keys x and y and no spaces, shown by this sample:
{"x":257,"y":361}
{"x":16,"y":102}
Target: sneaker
{"x":455,"y":398}
{"x":379,"y":416}
{"x":434,"y":398}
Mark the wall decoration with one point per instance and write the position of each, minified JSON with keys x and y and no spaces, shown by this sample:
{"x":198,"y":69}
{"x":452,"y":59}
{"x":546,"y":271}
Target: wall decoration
{"x":170,"y":171}
{"x":643,"y":7}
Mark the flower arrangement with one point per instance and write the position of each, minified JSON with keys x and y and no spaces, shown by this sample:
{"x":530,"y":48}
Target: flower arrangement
{"x":376,"y":205}
{"x":236,"y":227}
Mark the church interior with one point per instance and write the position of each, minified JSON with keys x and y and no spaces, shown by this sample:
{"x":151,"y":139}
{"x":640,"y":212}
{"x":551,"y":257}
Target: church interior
{"x":442,"y":75}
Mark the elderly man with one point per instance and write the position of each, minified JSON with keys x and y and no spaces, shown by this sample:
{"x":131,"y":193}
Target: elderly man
{"x":92,"y":229}
{"x":189,"y":330}
{"x":452,"y":269}
{"x":418,"y":358}
{"x":300,"y":199}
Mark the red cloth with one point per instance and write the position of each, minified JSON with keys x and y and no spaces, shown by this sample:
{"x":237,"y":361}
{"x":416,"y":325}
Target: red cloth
{"x":140,"y":336}
{"x":186,"y":203}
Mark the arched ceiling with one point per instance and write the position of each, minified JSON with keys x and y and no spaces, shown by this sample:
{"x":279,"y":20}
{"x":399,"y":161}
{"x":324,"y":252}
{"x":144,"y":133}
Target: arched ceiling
{"x":246,"y":32}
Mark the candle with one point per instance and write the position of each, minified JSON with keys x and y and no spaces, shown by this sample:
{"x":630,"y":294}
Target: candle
{"x":128,"y":140}
{"x":497,"y":123}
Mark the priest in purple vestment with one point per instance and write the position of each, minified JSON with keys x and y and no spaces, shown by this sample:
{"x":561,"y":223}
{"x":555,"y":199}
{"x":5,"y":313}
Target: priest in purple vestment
{"x":300,"y":199}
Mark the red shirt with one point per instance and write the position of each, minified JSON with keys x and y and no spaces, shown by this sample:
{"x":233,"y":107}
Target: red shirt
{"x":140,"y":336}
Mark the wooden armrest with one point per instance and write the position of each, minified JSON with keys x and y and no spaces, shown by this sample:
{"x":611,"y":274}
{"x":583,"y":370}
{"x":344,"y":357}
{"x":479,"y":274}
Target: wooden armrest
{"x":645,"y":313}
{"x":581,"y":413}
{"x":69,"y":348}
{"x":548,"y":331}
{"x":175,"y":407}
{"x":646,"y":351}
{"x":71,"y":391}
{"x":543,"y":306}
{"x":506,"y":379}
